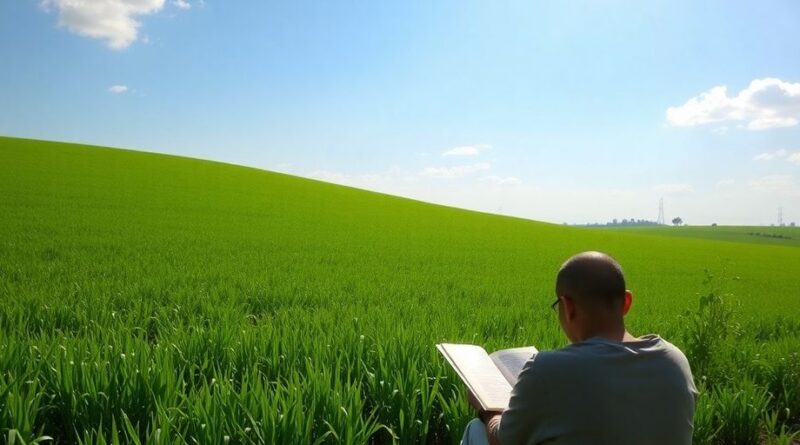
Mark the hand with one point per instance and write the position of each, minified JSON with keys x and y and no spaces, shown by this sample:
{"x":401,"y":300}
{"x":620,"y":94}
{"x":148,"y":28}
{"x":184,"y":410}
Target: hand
{"x":486,"y":416}
{"x":473,"y":401}
{"x":483,"y":415}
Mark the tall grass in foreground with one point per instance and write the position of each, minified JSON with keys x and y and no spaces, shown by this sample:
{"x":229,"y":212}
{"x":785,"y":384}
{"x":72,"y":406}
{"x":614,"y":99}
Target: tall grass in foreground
{"x":102,"y":376}
{"x":745,"y":397}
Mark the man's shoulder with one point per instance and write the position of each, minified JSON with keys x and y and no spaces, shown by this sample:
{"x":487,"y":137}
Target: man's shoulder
{"x":556,"y":360}
{"x":648,"y":347}
{"x":659,"y":347}
{"x":673,"y":350}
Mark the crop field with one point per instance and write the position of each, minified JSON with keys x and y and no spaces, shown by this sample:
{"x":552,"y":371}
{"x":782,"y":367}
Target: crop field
{"x":779,"y":236}
{"x":156,"y":299}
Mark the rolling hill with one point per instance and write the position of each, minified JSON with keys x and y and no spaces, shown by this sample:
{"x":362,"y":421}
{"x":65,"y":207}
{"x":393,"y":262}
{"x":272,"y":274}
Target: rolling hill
{"x":174,"y":300}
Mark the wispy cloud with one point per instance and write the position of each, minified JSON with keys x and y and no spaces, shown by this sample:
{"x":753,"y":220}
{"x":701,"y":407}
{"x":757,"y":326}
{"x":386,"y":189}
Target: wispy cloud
{"x":776,"y":184}
{"x":284,"y":167}
{"x":112,"y":21}
{"x":467,"y":150}
{"x":793,"y":157}
{"x":765,"y":103}
{"x":456,"y":171}
{"x":722,"y":183}
{"x":375,"y":181}
{"x":673,"y":188}
{"x":118,"y":89}
{"x":501,"y":180}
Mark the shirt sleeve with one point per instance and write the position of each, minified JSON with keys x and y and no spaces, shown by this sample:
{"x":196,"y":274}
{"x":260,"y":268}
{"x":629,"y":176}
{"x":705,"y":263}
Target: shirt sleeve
{"x":522,"y":422}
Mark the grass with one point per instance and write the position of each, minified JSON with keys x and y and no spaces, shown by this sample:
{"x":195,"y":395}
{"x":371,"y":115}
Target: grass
{"x":778,"y":236}
{"x":157,"y":299}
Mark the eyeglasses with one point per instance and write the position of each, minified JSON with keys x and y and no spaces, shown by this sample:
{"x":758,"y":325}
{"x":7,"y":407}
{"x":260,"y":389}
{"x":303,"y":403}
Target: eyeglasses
{"x":555,"y":303}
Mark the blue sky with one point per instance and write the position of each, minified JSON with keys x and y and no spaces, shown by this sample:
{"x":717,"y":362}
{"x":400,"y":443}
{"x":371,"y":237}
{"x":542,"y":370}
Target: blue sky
{"x":559,"y":111}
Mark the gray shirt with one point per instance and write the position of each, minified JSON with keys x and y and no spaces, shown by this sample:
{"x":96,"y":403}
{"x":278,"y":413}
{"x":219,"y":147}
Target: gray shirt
{"x":603,"y":392}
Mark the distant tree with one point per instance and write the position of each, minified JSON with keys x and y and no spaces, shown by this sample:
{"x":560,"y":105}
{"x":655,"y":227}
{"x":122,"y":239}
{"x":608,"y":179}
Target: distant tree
{"x":624,"y":221}
{"x":713,"y":224}
{"x":677,"y":221}
{"x":615,"y":222}
{"x":791,"y":224}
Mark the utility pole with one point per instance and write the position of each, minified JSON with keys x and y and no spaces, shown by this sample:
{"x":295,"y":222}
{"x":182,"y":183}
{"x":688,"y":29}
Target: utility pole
{"x":660,"y":212}
{"x":780,"y":216}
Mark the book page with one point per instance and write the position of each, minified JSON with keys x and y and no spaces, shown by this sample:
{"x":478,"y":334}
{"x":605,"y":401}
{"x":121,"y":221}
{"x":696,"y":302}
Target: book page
{"x":479,"y":372}
{"x":511,"y":361}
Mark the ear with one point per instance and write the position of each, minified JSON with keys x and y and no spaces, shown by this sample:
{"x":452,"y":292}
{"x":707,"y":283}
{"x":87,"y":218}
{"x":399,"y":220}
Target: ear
{"x":626,"y":305}
{"x":569,"y":307}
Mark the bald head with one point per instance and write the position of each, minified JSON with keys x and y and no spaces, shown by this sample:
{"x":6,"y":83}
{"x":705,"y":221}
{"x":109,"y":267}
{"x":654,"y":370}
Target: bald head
{"x":593,"y":280}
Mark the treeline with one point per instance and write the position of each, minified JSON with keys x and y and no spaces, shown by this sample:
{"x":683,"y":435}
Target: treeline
{"x":624,"y":222}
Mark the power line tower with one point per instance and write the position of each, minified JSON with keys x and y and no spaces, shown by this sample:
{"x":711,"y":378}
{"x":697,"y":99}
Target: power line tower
{"x":660,"y":211}
{"x":780,"y":216}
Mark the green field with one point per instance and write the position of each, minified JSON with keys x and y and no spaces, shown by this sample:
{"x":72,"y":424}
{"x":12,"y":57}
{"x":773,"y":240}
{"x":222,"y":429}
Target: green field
{"x":778,"y":236}
{"x":157,"y":299}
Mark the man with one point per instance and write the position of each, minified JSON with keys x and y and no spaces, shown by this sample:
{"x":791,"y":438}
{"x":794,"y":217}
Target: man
{"x":607,"y":386}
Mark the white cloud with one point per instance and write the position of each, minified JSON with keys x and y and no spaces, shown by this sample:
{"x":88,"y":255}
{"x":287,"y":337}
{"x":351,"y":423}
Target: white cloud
{"x":283,"y":167}
{"x":182,"y":4}
{"x":374,"y":181}
{"x":776,"y":184}
{"x":722,"y":131}
{"x":456,"y":171}
{"x":501,"y":180}
{"x":765,"y":103}
{"x":467,"y":150}
{"x":118,"y":89}
{"x":779,"y":154}
{"x":722,"y":183}
{"x":331,"y":176}
{"x":113,"y":21}
{"x":673,"y":188}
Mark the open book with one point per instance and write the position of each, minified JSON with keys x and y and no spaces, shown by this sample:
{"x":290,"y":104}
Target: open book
{"x":489,"y":377}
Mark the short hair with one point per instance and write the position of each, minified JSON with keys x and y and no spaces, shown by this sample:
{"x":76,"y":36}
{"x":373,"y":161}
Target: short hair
{"x":592,"y":278}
